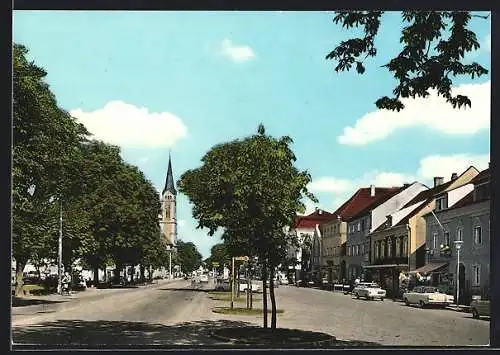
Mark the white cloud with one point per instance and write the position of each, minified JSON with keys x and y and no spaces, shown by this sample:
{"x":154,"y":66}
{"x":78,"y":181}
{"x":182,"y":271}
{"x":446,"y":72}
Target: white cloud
{"x":329,"y":184}
{"x":486,"y":45}
{"x":433,"y":112}
{"x":235,"y":52}
{"x":181,"y":223}
{"x":429,"y":167}
{"x":124,"y":124}
{"x":438,"y":165}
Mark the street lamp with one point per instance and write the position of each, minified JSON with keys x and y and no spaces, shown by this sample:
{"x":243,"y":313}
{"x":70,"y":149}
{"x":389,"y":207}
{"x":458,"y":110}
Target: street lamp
{"x":170,"y":250}
{"x":458,"y":245}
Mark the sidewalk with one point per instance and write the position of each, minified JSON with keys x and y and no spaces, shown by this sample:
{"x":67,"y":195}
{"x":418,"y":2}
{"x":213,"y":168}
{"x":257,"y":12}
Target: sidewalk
{"x":55,"y":302}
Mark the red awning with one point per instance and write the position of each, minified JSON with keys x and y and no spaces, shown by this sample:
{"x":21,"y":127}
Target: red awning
{"x":429,"y":268}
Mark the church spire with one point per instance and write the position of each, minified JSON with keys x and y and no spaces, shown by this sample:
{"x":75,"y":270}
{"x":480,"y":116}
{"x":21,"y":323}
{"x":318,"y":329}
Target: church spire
{"x":169,"y":182}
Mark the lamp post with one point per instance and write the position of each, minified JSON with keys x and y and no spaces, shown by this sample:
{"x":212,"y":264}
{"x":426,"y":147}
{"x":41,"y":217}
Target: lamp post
{"x":458,"y":245}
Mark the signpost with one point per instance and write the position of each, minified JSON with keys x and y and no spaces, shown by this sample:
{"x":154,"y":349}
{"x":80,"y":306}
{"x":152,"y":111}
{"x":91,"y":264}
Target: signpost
{"x":233,"y":259}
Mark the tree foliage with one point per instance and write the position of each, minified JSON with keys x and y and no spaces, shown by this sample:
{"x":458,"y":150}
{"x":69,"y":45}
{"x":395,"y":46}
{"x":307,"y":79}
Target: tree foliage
{"x":188,"y":256}
{"x":428,"y":60}
{"x":109,"y":209}
{"x":250,"y":188}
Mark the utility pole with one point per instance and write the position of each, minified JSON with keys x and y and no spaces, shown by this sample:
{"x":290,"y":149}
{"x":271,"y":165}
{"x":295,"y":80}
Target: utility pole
{"x":59,"y":281}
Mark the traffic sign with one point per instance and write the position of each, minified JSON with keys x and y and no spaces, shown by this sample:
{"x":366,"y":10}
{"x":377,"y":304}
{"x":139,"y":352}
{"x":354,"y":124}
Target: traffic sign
{"x":241,"y":258}
{"x":215,"y":264}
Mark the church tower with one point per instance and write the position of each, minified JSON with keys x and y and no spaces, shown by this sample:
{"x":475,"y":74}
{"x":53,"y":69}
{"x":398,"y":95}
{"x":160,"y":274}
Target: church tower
{"x":169,"y":207}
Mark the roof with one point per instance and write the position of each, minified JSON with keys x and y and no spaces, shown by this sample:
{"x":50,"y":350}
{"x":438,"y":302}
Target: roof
{"x":368,"y":203}
{"x":483,"y":176}
{"x":311,"y":220}
{"x":465,"y":201}
{"x":428,"y":194}
{"x":169,"y":181}
{"x":360,"y":200}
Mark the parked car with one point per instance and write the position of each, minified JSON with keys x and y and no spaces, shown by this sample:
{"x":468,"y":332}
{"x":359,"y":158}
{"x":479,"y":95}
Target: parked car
{"x":244,"y":287}
{"x":203,"y":278}
{"x":284,"y":280}
{"x":369,"y":290}
{"x":480,"y":308}
{"x":427,"y":295}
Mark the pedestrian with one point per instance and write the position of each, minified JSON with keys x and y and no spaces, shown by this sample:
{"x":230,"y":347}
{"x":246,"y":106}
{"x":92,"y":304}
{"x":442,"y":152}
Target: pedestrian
{"x":66,"y":284}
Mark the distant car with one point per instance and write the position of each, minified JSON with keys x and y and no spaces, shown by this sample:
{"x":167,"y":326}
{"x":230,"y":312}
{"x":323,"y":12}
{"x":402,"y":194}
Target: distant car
{"x":284,"y":281}
{"x":480,"y":308}
{"x":369,"y":290}
{"x":244,"y":287}
{"x":203,"y":278}
{"x":427,"y":295}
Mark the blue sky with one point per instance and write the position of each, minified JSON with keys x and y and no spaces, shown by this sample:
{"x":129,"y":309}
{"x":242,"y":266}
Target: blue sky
{"x":154,"y":81}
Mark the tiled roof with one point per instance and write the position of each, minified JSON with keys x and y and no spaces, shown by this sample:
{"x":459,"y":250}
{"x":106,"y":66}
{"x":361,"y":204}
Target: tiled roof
{"x":317,"y":217}
{"x":465,"y":201}
{"x":367,"y":203}
{"x":481,"y":177}
{"x":361,"y":200}
{"x":428,"y":194}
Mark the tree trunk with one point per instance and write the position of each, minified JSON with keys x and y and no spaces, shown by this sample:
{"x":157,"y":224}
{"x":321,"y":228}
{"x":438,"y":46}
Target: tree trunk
{"x":264,"y":291}
{"x":19,"y":278}
{"x":273,"y":299}
{"x":96,"y":275}
{"x":141,"y":272}
{"x":132,"y":274}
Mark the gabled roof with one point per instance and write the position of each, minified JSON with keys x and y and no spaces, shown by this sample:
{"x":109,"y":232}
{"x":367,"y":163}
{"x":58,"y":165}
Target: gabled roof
{"x":428,"y":194}
{"x":311,"y":220}
{"x":483,"y":176}
{"x":382,"y":194}
{"x":465,"y":201}
{"x":360,"y":200}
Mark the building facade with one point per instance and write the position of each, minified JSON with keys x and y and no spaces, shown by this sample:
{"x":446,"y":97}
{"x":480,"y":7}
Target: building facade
{"x":466,"y":220}
{"x":359,"y":227}
{"x":398,"y":245}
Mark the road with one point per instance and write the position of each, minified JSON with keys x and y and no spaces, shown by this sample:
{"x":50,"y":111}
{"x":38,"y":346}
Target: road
{"x":179,"y":313}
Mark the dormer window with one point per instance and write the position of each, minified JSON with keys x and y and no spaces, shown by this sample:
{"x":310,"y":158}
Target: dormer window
{"x":482,"y":191}
{"x":441,"y":203}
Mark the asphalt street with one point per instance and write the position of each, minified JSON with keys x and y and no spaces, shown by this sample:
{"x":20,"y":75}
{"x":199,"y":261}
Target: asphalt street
{"x":179,"y":313}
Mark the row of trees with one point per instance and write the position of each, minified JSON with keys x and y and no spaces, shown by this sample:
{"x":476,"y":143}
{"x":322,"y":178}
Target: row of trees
{"x":109,"y":209}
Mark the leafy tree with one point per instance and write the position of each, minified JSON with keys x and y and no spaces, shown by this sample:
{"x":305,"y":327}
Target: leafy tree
{"x":45,"y":143}
{"x":188,"y":256}
{"x":219,"y":253}
{"x":250,"y":188}
{"x":428,"y":60}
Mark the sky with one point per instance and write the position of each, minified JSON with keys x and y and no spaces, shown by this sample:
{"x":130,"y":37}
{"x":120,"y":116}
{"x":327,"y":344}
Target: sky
{"x":154,"y":82}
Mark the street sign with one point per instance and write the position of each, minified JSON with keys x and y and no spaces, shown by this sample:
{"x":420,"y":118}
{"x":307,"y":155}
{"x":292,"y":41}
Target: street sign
{"x":215,"y":264}
{"x":241,"y":258}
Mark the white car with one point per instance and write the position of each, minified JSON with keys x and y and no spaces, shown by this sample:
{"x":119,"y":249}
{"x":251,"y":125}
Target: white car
{"x":244,"y":287}
{"x":203,"y":278}
{"x":427,"y":295}
{"x":369,"y":290}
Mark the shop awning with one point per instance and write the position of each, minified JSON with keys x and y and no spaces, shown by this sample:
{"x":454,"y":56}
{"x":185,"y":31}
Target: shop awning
{"x":384,"y":266}
{"x":429,"y":268}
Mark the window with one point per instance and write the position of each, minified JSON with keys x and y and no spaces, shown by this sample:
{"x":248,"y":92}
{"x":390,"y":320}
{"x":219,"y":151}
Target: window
{"x":447,"y":238}
{"x":460,"y":232}
{"x":478,"y":237}
{"x":363,"y":225}
{"x":441,"y":203}
{"x":359,"y":226}
{"x":405,"y":246}
{"x":398,"y":247}
{"x":434,"y":240}
{"x":389,"y":248}
{"x":357,"y":250}
{"x":382,"y":250}
{"x":476,"y":275}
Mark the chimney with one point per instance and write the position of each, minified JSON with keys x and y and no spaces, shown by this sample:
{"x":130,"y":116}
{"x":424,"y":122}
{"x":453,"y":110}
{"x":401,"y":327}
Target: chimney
{"x":372,"y":190}
{"x":320,"y":211}
{"x":389,"y":221}
{"x":438,"y":180}
{"x":454,"y":176}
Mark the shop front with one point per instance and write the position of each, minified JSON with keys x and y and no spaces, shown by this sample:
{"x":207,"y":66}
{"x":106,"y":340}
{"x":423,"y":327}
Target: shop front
{"x":433,"y":274}
{"x":387,"y":276}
